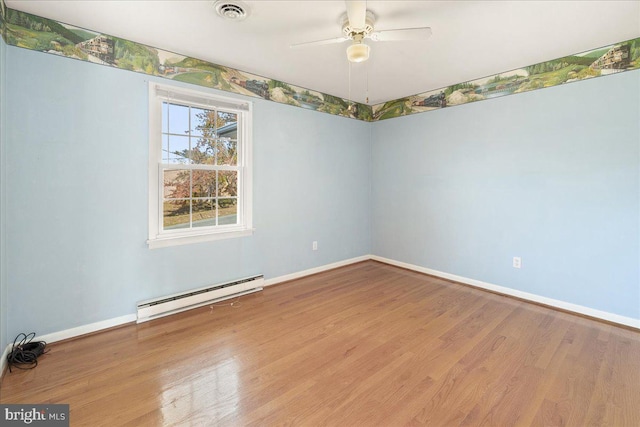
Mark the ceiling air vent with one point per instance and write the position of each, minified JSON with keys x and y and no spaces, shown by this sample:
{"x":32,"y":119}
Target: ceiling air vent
{"x":231,"y":10}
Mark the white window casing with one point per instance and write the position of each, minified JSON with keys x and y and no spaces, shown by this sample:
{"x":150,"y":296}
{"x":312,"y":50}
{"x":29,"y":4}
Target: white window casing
{"x":160,"y":237}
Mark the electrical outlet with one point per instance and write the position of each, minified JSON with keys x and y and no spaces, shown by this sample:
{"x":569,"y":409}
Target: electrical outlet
{"x":314,"y":245}
{"x":517,"y":262}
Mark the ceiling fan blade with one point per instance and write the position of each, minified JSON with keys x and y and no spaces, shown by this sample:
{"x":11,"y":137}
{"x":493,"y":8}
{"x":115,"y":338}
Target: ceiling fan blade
{"x":357,"y":13}
{"x":420,"y":33}
{"x":319,"y":42}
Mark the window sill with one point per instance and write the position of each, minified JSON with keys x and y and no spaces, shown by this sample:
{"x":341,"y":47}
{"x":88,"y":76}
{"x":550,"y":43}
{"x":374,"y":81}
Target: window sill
{"x":166,"y":241}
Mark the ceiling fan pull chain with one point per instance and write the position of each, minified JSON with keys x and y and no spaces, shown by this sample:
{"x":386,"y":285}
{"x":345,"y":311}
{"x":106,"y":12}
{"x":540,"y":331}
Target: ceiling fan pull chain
{"x":366,"y":70}
{"x":349,"y":62}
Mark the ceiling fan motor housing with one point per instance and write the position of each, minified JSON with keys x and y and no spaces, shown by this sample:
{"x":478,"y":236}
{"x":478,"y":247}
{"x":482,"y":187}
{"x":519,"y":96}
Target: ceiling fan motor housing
{"x":351,"y":32}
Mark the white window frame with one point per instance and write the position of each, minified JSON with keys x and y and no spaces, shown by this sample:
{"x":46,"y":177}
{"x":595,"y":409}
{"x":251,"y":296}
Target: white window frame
{"x":159,"y":93}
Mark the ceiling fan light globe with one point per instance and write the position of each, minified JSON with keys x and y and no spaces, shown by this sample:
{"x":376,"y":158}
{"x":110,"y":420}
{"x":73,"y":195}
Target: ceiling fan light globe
{"x":358,"y":52}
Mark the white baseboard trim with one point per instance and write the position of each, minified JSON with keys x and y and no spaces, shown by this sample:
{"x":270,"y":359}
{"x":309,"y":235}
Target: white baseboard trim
{"x":72,"y":333}
{"x":86,"y":329}
{"x":315,"y":270}
{"x":575,"y":308}
{"x":3,"y":362}
{"x":130,"y":318}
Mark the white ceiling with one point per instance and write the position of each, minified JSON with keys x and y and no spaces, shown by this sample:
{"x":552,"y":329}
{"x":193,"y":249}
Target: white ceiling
{"x":471,"y":39}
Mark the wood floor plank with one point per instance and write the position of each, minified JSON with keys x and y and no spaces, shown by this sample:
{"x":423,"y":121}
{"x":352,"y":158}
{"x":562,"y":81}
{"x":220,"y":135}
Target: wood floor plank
{"x":626,"y":377}
{"x":362,"y":345}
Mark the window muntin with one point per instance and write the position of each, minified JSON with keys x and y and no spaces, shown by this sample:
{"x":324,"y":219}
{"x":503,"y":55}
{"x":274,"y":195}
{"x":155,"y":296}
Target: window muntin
{"x":201,"y":147}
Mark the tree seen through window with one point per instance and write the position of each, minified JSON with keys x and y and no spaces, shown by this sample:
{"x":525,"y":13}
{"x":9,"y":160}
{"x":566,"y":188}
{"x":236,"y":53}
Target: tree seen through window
{"x":204,"y":193}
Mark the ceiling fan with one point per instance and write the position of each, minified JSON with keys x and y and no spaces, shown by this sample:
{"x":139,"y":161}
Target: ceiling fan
{"x":357,"y":25}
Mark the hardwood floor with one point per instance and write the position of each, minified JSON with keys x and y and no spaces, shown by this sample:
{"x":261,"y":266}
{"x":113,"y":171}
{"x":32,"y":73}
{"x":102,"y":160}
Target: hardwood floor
{"x":367,"y":344}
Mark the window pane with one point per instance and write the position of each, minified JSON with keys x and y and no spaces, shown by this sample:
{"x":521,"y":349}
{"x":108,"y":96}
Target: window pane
{"x":176,"y":184}
{"x":202,"y":122}
{"x":227,"y":152}
{"x":176,"y":149}
{"x":227,"y":211}
{"x":227,"y":183}
{"x":227,"y":124}
{"x":204,"y":151}
{"x":204,"y":183}
{"x":165,"y":119}
{"x":176,"y":214}
{"x":204,"y":213}
{"x":178,"y":119}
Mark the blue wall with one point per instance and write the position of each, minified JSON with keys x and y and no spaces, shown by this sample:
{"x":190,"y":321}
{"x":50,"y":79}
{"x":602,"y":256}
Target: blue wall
{"x":77,"y":152}
{"x":551,"y":176}
{"x":3,"y":270}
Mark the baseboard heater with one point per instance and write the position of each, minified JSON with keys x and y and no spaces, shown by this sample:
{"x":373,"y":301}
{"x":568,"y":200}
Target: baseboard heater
{"x":171,"y":304}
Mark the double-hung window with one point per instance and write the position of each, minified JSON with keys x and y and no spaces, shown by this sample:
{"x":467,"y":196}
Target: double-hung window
{"x":199,"y":166}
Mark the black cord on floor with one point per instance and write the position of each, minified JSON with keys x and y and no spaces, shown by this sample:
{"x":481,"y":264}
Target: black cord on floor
{"x":24,"y":353}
